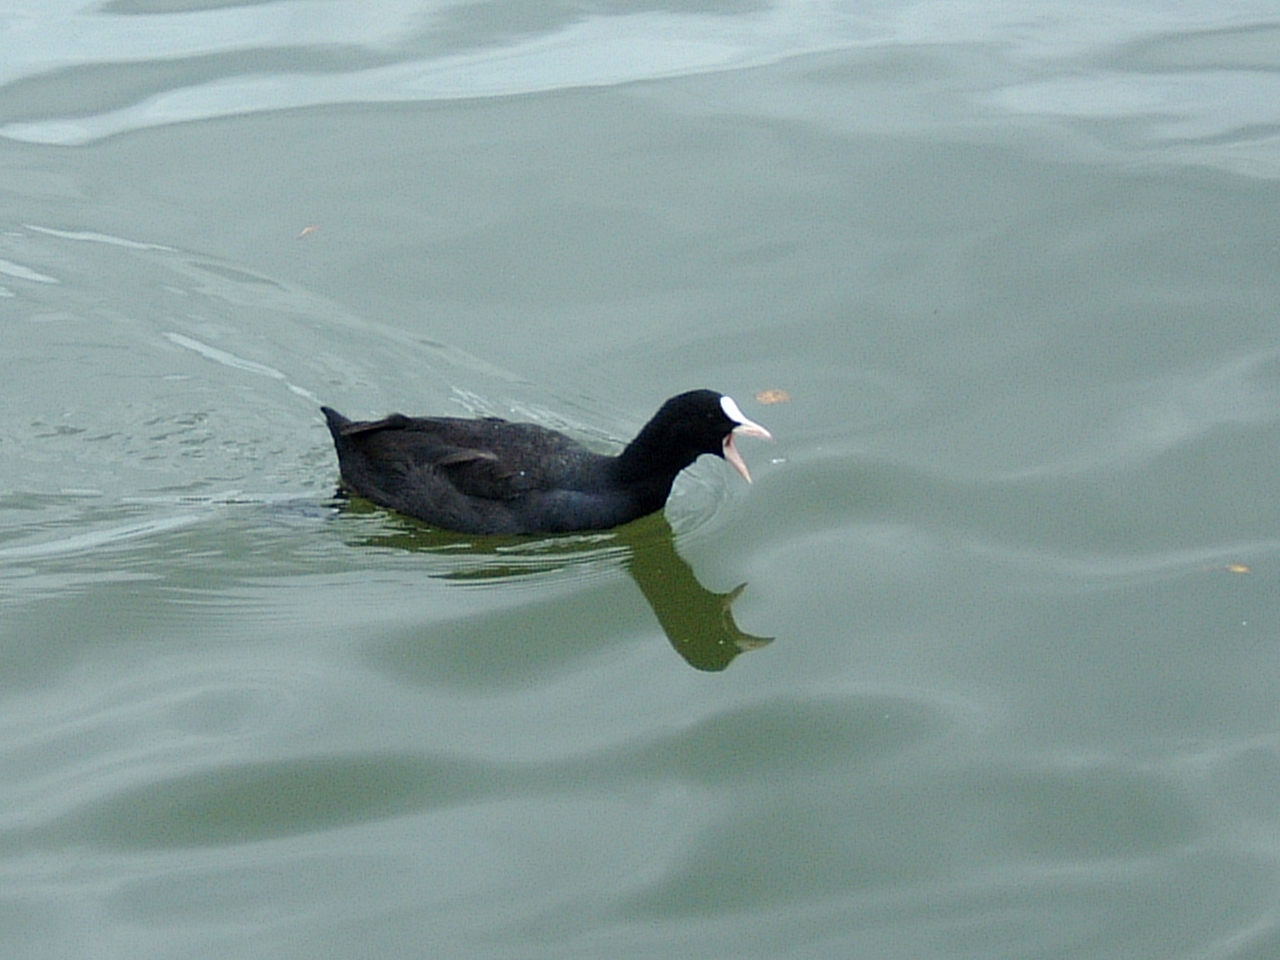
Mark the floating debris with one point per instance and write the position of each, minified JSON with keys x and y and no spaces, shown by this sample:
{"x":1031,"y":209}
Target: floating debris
{"x":773,"y":396}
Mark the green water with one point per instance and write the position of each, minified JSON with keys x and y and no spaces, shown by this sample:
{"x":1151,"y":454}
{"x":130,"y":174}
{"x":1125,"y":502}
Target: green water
{"x":1001,"y":678}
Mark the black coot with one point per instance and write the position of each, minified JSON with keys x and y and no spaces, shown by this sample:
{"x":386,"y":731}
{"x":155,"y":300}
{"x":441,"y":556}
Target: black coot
{"x":493,"y":476}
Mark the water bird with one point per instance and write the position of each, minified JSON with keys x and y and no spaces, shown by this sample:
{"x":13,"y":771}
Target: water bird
{"x":491,"y":476}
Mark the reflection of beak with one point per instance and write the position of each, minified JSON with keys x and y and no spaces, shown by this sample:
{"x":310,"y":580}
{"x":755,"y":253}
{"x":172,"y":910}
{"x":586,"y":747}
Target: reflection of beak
{"x":747,"y":429}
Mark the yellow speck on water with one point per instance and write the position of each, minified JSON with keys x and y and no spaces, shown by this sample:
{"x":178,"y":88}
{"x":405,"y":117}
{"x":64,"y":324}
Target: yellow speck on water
{"x":773,"y":396}
{"x":1237,"y":568}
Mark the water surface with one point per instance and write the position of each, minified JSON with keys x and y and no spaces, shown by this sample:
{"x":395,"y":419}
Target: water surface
{"x":1002,"y":679}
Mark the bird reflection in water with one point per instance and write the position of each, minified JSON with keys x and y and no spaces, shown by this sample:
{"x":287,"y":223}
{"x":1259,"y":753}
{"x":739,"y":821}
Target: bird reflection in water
{"x":698,"y":622}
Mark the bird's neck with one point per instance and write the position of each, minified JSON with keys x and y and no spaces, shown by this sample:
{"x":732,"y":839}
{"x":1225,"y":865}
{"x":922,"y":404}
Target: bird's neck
{"x":650,"y":459}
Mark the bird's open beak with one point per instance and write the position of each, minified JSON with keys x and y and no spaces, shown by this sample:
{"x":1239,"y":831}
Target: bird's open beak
{"x":747,"y":429}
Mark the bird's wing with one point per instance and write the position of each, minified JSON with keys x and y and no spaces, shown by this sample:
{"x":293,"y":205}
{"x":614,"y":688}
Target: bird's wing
{"x":354,"y":428}
{"x":488,"y":458}
{"x":482,"y":473}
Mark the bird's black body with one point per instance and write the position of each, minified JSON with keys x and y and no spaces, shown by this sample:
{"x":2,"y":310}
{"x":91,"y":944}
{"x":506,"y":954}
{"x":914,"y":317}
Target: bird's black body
{"x":490,"y":476}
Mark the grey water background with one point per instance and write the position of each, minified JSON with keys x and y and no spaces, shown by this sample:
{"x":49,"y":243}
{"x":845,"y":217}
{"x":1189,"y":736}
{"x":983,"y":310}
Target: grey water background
{"x":1017,"y":542}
